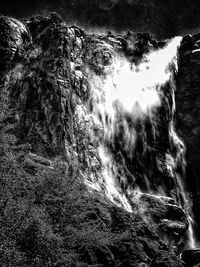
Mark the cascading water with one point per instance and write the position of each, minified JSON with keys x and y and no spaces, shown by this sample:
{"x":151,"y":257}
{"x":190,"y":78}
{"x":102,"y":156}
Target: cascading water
{"x":181,"y":157}
{"x":125,"y":101}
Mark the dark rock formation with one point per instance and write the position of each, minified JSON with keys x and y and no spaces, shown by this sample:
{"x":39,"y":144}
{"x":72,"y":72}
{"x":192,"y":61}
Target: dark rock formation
{"x":188,"y":113}
{"x":191,"y":257}
{"x":48,"y":70}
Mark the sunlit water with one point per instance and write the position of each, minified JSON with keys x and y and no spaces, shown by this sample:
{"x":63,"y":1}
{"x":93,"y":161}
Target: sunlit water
{"x":135,"y":90}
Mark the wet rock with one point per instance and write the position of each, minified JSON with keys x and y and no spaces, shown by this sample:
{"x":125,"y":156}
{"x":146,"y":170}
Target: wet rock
{"x":169,"y":217}
{"x":187,"y":41}
{"x":187,"y":113}
{"x":196,"y":37}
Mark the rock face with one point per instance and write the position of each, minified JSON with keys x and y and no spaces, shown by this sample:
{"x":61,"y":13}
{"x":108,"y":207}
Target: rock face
{"x":187,"y":115}
{"x":11,"y":42}
{"x":54,"y":75}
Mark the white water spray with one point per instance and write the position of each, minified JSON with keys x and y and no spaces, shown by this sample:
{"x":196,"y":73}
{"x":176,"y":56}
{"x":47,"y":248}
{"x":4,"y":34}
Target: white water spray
{"x":136,"y":91}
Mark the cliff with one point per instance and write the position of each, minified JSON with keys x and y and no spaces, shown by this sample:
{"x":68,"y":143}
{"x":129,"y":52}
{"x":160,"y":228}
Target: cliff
{"x":128,"y":162}
{"x":187,"y":101}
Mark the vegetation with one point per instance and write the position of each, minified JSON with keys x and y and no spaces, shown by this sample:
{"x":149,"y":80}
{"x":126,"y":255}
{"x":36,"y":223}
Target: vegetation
{"x":49,"y":218}
{"x":45,"y":218}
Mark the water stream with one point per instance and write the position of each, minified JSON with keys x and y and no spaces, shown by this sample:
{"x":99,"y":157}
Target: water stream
{"x":134,"y":92}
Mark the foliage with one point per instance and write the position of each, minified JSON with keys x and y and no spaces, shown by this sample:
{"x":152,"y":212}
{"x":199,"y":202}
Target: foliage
{"x":46,"y":217}
{"x":49,"y":218}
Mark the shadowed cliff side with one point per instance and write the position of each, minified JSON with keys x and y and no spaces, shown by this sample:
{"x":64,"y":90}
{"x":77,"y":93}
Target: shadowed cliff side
{"x":187,"y":115}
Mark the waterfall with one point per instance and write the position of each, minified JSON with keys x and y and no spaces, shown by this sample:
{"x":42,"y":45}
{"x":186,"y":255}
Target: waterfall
{"x":190,"y":233}
{"x":191,"y":237}
{"x":125,"y":100}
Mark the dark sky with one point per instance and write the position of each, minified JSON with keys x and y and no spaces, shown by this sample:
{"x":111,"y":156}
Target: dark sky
{"x":164,"y":18}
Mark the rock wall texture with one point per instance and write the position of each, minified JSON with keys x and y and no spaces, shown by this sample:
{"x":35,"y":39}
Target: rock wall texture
{"x":187,"y":115}
{"x":46,"y":68}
